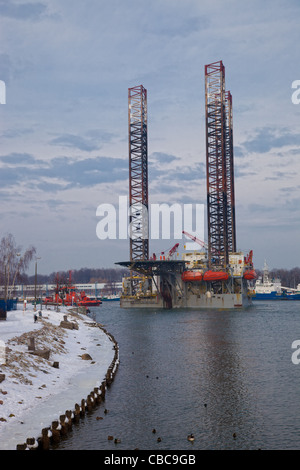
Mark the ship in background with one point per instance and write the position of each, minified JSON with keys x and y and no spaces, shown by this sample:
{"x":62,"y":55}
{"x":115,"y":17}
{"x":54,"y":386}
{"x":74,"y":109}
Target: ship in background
{"x":271,"y":289}
{"x":218,"y":276}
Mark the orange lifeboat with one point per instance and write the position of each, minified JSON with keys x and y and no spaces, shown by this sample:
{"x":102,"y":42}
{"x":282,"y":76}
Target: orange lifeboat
{"x":191,"y":276}
{"x":250,"y":274}
{"x":215,"y":276}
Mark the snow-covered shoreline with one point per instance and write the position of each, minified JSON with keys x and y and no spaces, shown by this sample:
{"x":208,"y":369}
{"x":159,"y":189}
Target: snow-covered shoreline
{"x":34,"y":393}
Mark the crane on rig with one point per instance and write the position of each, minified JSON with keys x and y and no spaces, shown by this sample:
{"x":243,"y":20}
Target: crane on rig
{"x":195,"y":239}
{"x":171,"y":251}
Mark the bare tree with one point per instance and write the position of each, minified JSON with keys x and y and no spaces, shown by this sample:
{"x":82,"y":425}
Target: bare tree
{"x":13,"y":263}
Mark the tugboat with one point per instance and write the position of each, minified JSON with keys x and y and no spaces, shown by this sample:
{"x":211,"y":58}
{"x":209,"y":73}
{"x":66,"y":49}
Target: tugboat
{"x":67,"y":295}
{"x":85,"y":301}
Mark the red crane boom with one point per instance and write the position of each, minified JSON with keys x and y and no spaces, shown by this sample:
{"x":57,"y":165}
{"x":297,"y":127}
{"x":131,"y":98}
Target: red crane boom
{"x":195,"y":239}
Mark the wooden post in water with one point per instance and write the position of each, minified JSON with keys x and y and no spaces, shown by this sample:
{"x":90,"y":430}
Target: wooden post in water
{"x":55,"y":429}
{"x":83,"y":407}
{"x":76,"y":413}
{"x":45,"y":440}
{"x":62,"y":419}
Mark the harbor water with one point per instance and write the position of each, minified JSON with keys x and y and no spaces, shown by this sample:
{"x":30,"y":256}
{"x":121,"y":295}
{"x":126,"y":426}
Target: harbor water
{"x":226,"y":376}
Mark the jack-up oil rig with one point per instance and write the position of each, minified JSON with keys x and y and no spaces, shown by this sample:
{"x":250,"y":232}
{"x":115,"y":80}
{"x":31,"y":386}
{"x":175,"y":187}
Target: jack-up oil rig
{"x":217,"y":275}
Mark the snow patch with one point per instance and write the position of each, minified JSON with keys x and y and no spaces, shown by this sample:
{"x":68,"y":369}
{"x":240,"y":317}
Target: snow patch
{"x":34,"y":393}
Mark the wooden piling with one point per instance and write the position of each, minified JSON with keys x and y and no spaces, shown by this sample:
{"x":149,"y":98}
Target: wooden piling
{"x":45,"y":439}
{"x":55,"y":429}
{"x":62,"y":426}
{"x":69,"y":416}
{"x":31,"y":343}
{"x":31,"y":443}
{"x":76,"y":413}
{"x":97,"y":395}
{"x":103,"y":389}
{"x":89,"y":403}
{"x":21,"y":446}
{"x":83,"y":407}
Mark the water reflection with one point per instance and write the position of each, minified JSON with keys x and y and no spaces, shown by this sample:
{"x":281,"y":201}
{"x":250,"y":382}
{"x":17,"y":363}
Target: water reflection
{"x":218,"y":375}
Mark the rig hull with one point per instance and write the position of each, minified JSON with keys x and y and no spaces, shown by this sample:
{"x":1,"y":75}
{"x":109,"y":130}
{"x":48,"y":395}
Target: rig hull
{"x":215,"y":301}
{"x":186,"y":284}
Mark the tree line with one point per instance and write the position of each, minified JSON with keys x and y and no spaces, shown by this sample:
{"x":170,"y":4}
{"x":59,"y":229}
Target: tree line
{"x":288,"y":277}
{"x":79,"y":276}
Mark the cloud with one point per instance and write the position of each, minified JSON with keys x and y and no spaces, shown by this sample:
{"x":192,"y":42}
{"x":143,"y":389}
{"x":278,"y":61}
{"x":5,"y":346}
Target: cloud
{"x":60,"y":173}
{"x":19,"y":159}
{"x":9,"y":177}
{"x":76,"y":142}
{"x":6,"y":68}
{"x":22,"y":11}
{"x":269,"y":138}
{"x":46,"y":186}
{"x":90,"y":171}
{"x":188,"y":173}
{"x":172,"y":178}
{"x":93,"y":140}
{"x":14,"y":133}
{"x":172,"y":26}
{"x":180,"y":184}
{"x":239,"y":151}
{"x":290,"y":189}
{"x":69,"y":76}
{"x":162,"y":157}
{"x":280,"y":175}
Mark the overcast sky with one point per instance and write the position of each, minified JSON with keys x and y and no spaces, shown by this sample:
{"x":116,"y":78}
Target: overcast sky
{"x":67,"y":66}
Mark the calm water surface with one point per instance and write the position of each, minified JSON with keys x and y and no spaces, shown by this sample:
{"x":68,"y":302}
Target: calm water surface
{"x":210,"y":373}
